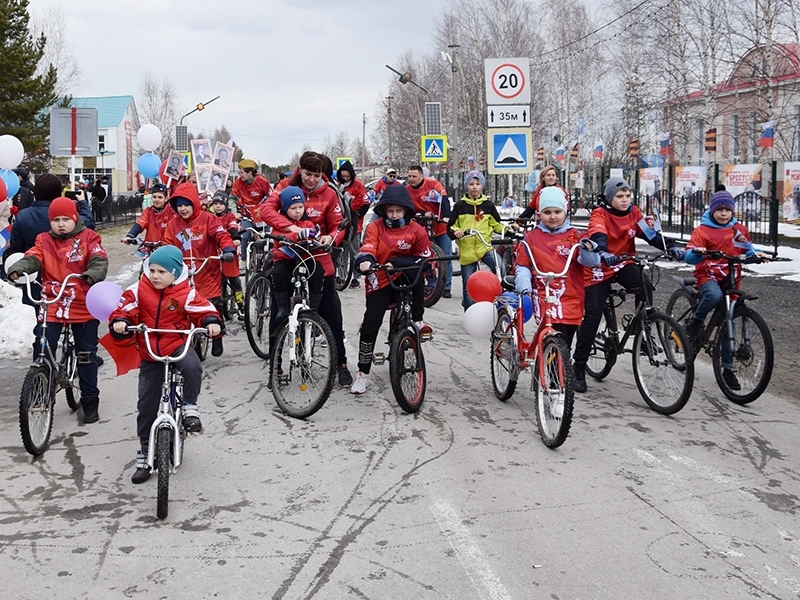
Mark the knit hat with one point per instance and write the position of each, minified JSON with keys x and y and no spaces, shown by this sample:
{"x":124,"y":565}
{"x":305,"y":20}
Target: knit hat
{"x":475,"y":175}
{"x":62,"y":207}
{"x":612,"y":186}
{"x":552,"y":197}
{"x":291,"y":195}
{"x":219,"y":197}
{"x":248,"y":163}
{"x":168,"y":257}
{"x":183,"y":202}
{"x":721,"y":199}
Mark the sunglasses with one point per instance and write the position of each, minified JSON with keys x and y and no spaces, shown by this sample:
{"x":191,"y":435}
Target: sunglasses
{"x":391,"y":176}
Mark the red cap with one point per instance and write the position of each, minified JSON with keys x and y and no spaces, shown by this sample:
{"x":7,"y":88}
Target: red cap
{"x":62,"y":207}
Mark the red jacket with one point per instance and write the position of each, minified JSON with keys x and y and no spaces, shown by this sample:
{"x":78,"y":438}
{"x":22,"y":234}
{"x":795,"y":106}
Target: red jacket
{"x":250,"y":195}
{"x":382,"y":184}
{"x":620,"y":231}
{"x":721,"y":239}
{"x":176,"y":307}
{"x":383,"y":244}
{"x":199,"y":237}
{"x":425,"y":197}
{"x":322,"y":209}
{"x":155,"y":222}
{"x":358,"y":200}
{"x":550,"y":250}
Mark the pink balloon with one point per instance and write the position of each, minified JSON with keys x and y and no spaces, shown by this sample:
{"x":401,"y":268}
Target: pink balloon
{"x":102,"y":298}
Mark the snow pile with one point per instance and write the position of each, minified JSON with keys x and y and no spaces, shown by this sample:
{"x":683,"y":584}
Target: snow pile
{"x":17,"y":321}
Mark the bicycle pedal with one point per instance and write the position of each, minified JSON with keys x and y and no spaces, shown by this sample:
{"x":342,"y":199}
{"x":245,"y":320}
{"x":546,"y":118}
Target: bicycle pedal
{"x":425,"y":337}
{"x":378,"y":358}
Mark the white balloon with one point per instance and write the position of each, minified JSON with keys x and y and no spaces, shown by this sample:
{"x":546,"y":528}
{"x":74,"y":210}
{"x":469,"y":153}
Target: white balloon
{"x":11,"y":152}
{"x":480,"y":319}
{"x":149,"y":137}
{"x":9,"y":262}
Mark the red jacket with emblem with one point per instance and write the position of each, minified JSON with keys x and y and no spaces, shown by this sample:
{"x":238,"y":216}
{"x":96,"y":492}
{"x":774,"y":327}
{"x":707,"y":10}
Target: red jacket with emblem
{"x":250,"y":195}
{"x":200,"y":236}
{"x":358,"y":200}
{"x":431,"y":196}
{"x":383,"y":244}
{"x":620,"y":230}
{"x":322,"y":209}
{"x":723,"y":239}
{"x":178,"y":306}
{"x":154,"y":222}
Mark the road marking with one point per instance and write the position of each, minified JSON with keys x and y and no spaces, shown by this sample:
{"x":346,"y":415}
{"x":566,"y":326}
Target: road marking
{"x":484,"y":580}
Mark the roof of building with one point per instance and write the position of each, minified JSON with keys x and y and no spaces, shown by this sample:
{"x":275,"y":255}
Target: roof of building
{"x":110,"y":109}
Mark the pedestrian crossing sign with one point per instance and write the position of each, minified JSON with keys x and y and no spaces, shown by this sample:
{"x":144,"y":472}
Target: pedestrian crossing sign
{"x":433,"y":148}
{"x":340,"y":160}
{"x":510,"y":150}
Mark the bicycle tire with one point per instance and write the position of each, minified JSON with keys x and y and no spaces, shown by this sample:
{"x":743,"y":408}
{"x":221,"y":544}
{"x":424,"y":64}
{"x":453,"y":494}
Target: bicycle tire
{"x":662,"y":368}
{"x":504,"y":356}
{"x":301,"y":389}
{"x":752,"y":361}
{"x":36,"y":410}
{"x":603,"y":354}
{"x":555,"y":400}
{"x":408,"y":384}
{"x":252,"y":265}
{"x":68,"y":367}
{"x":508,"y":261}
{"x":226,"y":309}
{"x":456,"y":263}
{"x":343,"y":265}
{"x":256,"y":314}
{"x":200,"y":345}
{"x":680,"y":306}
{"x":435,"y":279}
{"x":163,"y":453}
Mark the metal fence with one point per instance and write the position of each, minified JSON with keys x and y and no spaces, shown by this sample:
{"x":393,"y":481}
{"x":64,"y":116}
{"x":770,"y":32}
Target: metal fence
{"x":116,"y":210}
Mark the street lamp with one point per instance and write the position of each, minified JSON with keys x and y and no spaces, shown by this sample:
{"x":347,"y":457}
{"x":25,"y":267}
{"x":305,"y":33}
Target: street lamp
{"x":407,"y":78}
{"x":102,"y":162}
{"x":181,"y":135}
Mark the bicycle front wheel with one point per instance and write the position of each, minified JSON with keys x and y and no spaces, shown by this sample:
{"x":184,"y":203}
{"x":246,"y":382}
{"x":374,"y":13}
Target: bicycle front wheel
{"x":36,"y":410}
{"x":302,"y":383}
{"x":344,"y":266}
{"x":408,"y":382}
{"x":200,"y":345}
{"x":504,"y":356}
{"x":752,"y":356}
{"x":680,"y":306}
{"x":555,"y":389}
{"x":663,"y":364}
{"x":256,"y":314}
{"x":435,"y":278}
{"x":602,"y":355}
{"x":68,"y":367}
{"x":163,"y":452}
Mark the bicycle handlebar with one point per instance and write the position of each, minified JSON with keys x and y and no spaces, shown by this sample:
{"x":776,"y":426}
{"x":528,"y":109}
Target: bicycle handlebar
{"x":420,"y":267}
{"x":146,"y":331}
{"x":550,"y":275}
{"x":734,"y":258}
{"x":42,"y":301}
{"x":301,"y":243}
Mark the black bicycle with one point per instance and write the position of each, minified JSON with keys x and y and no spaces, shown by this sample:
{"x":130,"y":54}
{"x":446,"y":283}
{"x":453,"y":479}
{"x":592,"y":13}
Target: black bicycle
{"x":257,"y":303}
{"x":663,"y":364}
{"x":436,"y":277}
{"x":736,"y":337}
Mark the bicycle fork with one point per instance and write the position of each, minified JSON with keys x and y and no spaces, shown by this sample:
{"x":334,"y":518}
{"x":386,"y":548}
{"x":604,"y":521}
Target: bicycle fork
{"x":165,"y":419}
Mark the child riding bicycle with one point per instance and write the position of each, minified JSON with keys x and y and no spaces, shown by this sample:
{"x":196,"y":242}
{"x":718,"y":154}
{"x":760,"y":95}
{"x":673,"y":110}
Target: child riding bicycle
{"x":154,"y":218}
{"x":230,"y":271}
{"x":164,"y":299}
{"x":69,"y":247}
{"x":392,"y":238}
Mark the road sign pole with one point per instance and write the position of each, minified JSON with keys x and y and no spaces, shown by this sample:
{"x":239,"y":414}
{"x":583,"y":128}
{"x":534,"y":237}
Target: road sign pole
{"x":455,"y":154}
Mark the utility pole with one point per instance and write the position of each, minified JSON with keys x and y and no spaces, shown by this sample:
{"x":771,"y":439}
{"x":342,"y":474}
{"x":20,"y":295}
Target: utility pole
{"x":363,"y":144}
{"x":454,"y":147}
{"x":389,"y":124}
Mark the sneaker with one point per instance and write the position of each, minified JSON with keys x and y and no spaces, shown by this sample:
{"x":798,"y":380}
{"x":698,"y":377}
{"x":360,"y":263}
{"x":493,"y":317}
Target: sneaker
{"x":447,"y":294}
{"x":98,"y":360}
{"x":191,"y":419}
{"x":242,"y":266}
{"x":424,"y":328}
{"x":580,"y":377}
{"x":361,"y":383}
{"x":355,"y":284}
{"x":730,"y":380}
{"x":142,"y":472}
{"x":216,"y":347}
{"x":693,"y":328}
{"x":240,"y":312}
{"x":345,"y":378}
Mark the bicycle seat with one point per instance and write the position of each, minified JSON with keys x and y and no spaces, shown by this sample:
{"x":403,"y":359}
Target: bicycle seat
{"x":259,"y":244}
{"x":509,"y":283}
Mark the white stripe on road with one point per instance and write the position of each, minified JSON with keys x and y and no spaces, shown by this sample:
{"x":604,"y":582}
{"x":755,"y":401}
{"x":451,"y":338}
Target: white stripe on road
{"x":485,"y":582}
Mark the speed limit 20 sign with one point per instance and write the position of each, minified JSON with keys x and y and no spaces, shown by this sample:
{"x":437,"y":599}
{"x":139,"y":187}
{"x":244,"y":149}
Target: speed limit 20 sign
{"x":507,"y":81}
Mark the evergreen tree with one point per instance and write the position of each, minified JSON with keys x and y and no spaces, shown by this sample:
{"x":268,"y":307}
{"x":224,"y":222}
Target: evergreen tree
{"x":24,"y":97}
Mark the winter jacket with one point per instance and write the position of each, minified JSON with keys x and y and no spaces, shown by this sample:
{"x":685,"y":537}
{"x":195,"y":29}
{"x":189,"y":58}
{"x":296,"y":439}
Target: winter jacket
{"x":24,"y":197}
{"x":479,"y":214}
{"x":430,"y":196}
{"x":35,"y":220}
{"x":250,"y":195}
{"x":731,"y":238}
{"x":80,"y":251}
{"x":382,"y":184}
{"x":200,"y":236}
{"x":175,"y":307}
{"x":154,"y":222}
{"x":356,"y":195}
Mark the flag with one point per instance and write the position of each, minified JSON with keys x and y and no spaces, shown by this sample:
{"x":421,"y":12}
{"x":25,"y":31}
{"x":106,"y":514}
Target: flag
{"x":125,"y":352}
{"x":650,"y":225}
{"x":633,"y":148}
{"x":741,"y":242}
{"x":767,"y":139}
{"x":5,"y":235}
{"x":711,"y":140}
{"x":581,"y":123}
{"x":540,"y":154}
{"x":663,"y":142}
{"x":574,"y":153}
{"x":598,"y":150}
{"x":560,"y":153}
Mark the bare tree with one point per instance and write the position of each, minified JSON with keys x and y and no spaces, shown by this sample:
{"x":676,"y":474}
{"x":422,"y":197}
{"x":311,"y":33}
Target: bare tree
{"x":58,"y":52}
{"x":158,"y":105}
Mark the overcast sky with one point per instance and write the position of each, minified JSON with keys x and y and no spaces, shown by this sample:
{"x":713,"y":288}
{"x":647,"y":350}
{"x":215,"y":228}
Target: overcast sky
{"x":288,"y":71}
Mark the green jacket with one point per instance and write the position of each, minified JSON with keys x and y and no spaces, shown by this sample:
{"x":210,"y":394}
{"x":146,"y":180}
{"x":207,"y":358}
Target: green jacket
{"x":474,"y":213}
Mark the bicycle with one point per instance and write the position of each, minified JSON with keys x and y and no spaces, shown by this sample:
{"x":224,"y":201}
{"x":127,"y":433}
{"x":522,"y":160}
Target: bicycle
{"x":257,"y":302}
{"x":46,"y":377}
{"x":732,"y":324}
{"x":546,"y":353}
{"x":201,"y":342}
{"x":167,"y":433}
{"x":255,"y":257}
{"x":407,"y":372}
{"x":436,"y":278}
{"x":663,"y":365}
{"x":303,"y":357}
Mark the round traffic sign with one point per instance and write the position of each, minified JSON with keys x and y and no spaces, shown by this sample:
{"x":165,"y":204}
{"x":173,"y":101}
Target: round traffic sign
{"x":508,"y":81}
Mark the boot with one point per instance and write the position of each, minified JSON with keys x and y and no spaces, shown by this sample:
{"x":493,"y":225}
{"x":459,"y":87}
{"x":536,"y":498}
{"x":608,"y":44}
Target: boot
{"x":90,"y":404}
{"x":580,"y":376}
{"x":216,"y":347}
{"x":142,"y":472}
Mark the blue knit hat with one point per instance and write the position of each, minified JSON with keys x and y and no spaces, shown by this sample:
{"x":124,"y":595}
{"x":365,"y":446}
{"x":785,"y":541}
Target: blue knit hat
{"x":291,"y":195}
{"x":170,"y":258}
{"x":721,"y":199}
{"x":475,"y":175}
{"x":552,"y":197}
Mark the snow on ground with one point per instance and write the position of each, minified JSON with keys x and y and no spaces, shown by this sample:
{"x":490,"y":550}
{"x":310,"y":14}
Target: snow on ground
{"x":16,"y":322}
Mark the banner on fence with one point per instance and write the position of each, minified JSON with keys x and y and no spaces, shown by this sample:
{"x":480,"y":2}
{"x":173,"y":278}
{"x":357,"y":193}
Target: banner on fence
{"x":791,"y":192}
{"x":740,"y":179}
{"x":650,"y":180}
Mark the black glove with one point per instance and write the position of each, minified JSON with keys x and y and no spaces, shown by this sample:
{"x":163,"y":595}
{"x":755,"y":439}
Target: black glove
{"x":228,"y":256}
{"x":608,"y":259}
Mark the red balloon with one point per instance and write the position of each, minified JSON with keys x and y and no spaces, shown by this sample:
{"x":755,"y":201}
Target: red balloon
{"x":483,"y":286}
{"x":3,"y":190}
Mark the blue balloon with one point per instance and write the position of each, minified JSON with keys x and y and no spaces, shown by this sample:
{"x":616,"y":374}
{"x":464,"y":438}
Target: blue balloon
{"x":149,"y":164}
{"x":527,"y":308}
{"x":509,"y":299}
{"x":12,"y":182}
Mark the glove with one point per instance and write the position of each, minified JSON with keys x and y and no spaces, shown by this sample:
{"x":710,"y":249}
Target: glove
{"x":608,"y":259}
{"x":308,"y":233}
{"x":588,"y":244}
{"x":228,"y":256}
{"x":677,"y":253}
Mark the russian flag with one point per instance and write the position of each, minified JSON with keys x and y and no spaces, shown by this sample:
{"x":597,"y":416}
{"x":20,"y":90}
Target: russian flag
{"x":598,"y":150}
{"x":560,"y":153}
{"x":767,"y":139}
{"x":5,"y":235}
{"x":664,"y":144}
